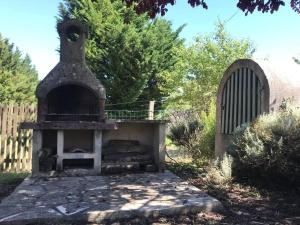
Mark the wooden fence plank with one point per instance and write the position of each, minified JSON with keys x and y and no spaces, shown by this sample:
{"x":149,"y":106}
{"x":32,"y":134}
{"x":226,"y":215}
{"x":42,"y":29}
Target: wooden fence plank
{"x":1,"y":114}
{"x":1,"y":155}
{"x":28,"y":141}
{"x":17,"y":154}
{"x":4,"y":155}
{"x":4,"y":122}
{"x":14,"y":138}
{"x":22,"y":161}
{"x":23,"y":151}
{"x":9,"y":158}
{"x":15,"y":144}
{"x":9,"y":120}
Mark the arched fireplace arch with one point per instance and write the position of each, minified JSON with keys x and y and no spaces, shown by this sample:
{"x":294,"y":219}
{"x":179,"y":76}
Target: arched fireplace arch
{"x":72,"y":102}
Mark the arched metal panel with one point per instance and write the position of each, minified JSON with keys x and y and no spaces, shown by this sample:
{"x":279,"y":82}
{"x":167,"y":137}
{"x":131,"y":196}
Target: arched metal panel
{"x":241,"y":99}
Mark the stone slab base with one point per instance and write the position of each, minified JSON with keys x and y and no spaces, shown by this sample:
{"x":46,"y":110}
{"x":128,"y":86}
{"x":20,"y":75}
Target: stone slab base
{"x":100,"y":198}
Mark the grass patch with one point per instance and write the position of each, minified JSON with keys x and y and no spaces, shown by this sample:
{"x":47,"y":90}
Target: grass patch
{"x":7,"y":178}
{"x":9,"y":181}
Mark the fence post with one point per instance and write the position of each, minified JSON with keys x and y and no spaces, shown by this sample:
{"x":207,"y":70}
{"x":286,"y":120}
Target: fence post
{"x":151,"y":110}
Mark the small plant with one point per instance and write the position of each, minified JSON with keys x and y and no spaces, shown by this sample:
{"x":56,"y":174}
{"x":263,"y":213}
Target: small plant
{"x":185,"y":134}
{"x":220,"y":170}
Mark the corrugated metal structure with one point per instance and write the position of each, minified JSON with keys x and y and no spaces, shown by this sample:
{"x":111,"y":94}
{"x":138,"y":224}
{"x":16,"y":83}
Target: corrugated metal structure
{"x":248,"y":89}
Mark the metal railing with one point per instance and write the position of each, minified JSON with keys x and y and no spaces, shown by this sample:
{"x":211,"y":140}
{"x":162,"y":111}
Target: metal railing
{"x":134,"y":115}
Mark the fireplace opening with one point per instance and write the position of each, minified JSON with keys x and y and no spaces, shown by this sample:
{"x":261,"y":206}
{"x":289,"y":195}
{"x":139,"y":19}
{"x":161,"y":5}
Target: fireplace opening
{"x":78,"y":163}
{"x":72,"y":103}
{"x":78,"y":141}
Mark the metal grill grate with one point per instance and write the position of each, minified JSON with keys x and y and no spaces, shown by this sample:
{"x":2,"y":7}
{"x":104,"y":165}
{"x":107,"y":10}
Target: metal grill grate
{"x":72,"y":117}
{"x":241,"y":99}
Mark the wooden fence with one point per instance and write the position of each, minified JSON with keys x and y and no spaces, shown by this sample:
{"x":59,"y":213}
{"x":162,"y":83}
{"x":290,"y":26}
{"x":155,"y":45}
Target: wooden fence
{"x":15,"y":144}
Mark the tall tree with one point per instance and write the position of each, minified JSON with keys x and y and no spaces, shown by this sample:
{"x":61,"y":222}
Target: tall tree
{"x":18,"y":77}
{"x":154,"y":7}
{"x":128,"y":58}
{"x":203,"y":63}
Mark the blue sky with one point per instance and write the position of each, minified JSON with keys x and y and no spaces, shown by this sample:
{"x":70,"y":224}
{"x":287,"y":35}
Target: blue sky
{"x":30,"y":25}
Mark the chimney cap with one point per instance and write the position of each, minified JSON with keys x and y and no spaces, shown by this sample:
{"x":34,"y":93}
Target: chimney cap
{"x":72,"y":25}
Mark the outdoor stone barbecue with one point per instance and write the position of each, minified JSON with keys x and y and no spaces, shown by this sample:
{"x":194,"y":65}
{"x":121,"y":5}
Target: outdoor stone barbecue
{"x":71,"y":130}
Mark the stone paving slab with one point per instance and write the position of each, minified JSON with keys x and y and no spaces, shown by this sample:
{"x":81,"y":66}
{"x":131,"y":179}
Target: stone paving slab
{"x":99,"y":198}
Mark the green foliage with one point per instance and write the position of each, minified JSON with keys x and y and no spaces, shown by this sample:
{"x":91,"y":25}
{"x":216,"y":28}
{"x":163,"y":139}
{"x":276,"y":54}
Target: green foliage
{"x":197,"y":76}
{"x":207,"y":138}
{"x":202,"y":65}
{"x":18,"y":78}
{"x":220,"y":170}
{"x":270,"y":146}
{"x":130,"y":59}
{"x":195,"y":134}
{"x":11,"y":178}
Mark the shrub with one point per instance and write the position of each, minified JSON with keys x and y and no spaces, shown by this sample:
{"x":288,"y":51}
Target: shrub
{"x":269,"y":148}
{"x":219,"y":171}
{"x":195,"y":134}
{"x":185,"y":132}
{"x":207,"y":138}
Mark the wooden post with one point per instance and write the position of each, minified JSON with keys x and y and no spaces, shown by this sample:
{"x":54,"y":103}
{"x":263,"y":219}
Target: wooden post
{"x":151,"y":110}
{"x":60,"y":149}
{"x":97,"y":150}
{"x":36,"y":147}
